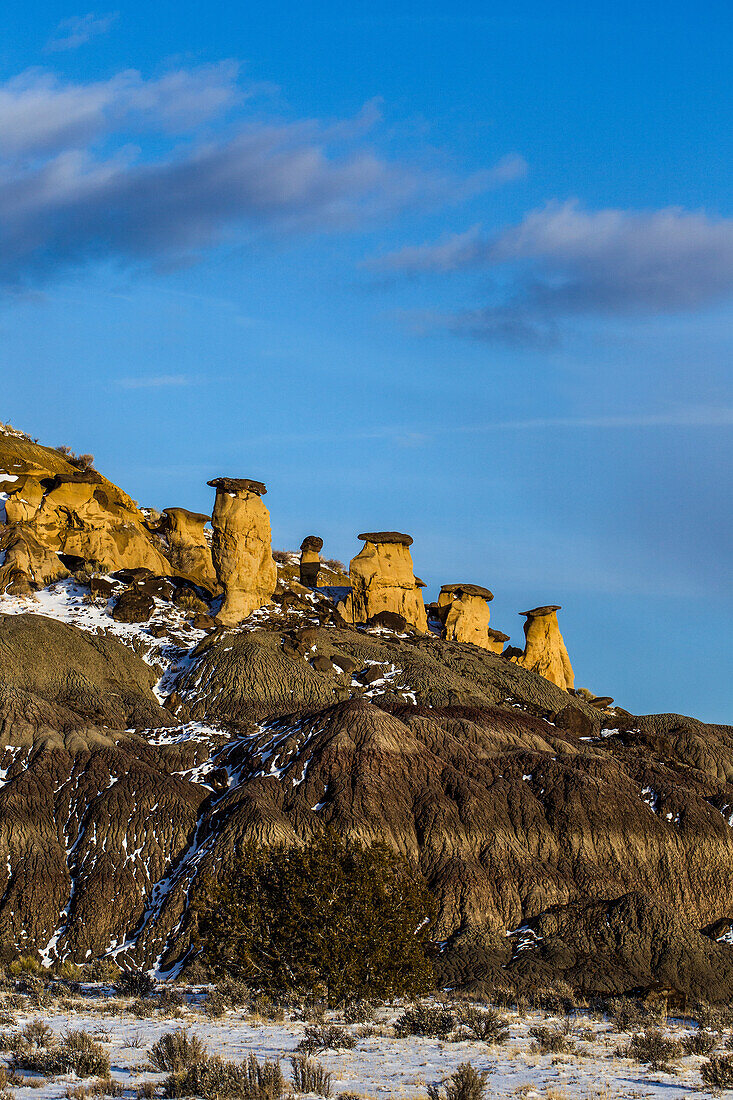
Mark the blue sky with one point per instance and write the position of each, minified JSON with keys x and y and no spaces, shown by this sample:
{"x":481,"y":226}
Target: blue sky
{"x":421,"y":267}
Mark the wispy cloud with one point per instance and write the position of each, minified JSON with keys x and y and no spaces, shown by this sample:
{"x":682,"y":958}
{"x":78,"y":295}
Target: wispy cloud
{"x":79,"y":29}
{"x":155,"y":382}
{"x":562,"y":261}
{"x":74,"y":189}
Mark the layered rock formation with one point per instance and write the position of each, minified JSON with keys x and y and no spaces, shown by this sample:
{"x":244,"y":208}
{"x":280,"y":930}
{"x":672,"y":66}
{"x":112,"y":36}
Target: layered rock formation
{"x":57,"y":518}
{"x":383,"y":579}
{"x":544,"y":649}
{"x":242,"y":548}
{"x":188,"y":549}
{"x":310,"y":560}
{"x":465,"y":612}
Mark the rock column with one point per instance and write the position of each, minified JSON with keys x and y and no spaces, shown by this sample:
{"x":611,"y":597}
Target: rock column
{"x":310,"y":561}
{"x":242,"y":547}
{"x":383,"y":579}
{"x":466,"y":613}
{"x":544,"y":648}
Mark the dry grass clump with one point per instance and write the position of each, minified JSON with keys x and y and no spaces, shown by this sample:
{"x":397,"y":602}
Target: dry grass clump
{"x":653,"y":1048}
{"x":718,"y":1072}
{"x":320,"y":1037}
{"x":310,"y":1076}
{"x":486,"y":1025}
{"x":466,"y":1083}
{"x":76,"y":1052}
{"x":431,"y":1021}
{"x":551,"y":1040}
{"x":215,"y":1079}
{"x":176,"y":1051}
{"x":101,"y":1087}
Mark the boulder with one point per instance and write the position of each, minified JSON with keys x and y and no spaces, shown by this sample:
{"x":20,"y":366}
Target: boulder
{"x":388,"y":620}
{"x":464,"y":609}
{"x":242,"y":548}
{"x":310,"y":560}
{"x":188,"y":548}
{"x":133,"y":606}
{"x":383,"y":579}
{"x":544,"y":648}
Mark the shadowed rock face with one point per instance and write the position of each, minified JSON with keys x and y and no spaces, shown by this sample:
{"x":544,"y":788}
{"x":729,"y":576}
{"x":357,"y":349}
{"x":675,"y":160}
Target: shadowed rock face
{"x":242,"y":548}
{"x":188,"y":549}
{"x":544,"y":649}
{"x":310,"y":560}
{"x":383,"y":579}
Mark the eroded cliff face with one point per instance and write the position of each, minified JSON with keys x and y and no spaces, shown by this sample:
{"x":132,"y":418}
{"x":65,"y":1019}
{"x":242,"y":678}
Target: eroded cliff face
{"x":383,"y":580}
{"x":56,"y":517}
{"x":560,"y":835}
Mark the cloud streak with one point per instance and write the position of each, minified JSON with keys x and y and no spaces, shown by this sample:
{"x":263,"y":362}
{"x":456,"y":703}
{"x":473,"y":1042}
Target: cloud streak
{"x":80,"y":179}
{"x":80,"y":29}
{"x":562,"y":261}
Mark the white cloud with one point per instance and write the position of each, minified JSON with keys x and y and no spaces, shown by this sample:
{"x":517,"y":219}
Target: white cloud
{"x":79,"y":29}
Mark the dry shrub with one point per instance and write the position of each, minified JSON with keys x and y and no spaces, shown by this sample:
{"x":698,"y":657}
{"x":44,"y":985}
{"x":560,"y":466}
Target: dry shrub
{"x":701,"y":1042}
{"x":718,"y":1072}
{"x":310,"y":1076}
{"x":431,"y":1021}
{"x":215,"y":1079}
{"x":486,"y":1025}
{"x":465,"y":1083}
{"x":102,"y":1087}
{"x":320,"y":1037}
{"x":551,"y":1040}
{"x":359,"y":1012}
{"x":653,"y":1048}
{"x":625,"y":1014}
{"x":77,"y":1052}
{"x":37,"y":1033}
{"x":176,"y":1051}
{"x":135,"y":983}
{"x":146,"y":1090}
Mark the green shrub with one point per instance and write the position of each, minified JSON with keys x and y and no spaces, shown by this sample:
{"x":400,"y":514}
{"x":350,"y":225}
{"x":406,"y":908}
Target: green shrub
{"x":354,"y":919}
{"x":176,"y":1051}
{"x":465,"y":1083}
{"x":718,"y":1072}
{"x":310,"y":1076}
{"x":320,"y":1037}
{"x":432,"y":1021}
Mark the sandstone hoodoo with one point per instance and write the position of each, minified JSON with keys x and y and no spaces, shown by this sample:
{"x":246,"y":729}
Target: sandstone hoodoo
{"x":497,"y":640}
{"x":242,"y":547}
{"x":465,"y":612}
{"x":383,"y":579}
{"x":310,"y":560}
{"x":188,"y":548}
{"x":544,"y":648}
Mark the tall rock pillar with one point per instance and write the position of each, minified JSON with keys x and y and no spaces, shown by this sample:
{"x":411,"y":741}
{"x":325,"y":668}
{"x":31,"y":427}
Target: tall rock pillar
{"x":242,"y":547}
{"x":544,"y":648}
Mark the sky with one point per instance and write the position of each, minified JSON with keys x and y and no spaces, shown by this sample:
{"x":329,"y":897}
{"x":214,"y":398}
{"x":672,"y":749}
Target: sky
{"x":461,"y":270}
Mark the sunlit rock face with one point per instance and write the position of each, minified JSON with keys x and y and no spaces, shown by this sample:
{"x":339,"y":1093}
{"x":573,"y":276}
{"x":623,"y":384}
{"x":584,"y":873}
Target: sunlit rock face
{"x":466,"y":613}
{"x":544,"y":648}
{"x":383,"y":579}
{"x":242,"y":548}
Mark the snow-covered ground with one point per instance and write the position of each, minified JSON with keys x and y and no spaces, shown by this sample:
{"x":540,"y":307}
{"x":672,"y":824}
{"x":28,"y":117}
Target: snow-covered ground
{"x":381,"y":1064}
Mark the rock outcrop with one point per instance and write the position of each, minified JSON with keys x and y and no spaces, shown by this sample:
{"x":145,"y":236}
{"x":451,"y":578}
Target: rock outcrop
{"x":188,"y":549}
{"x":383,"y":579}
{"x":310,"y":560}
{"x":242,"y":548}
{"x":496,"y":641}
{"x":544,"y":648}
{"x":465,"y":612}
